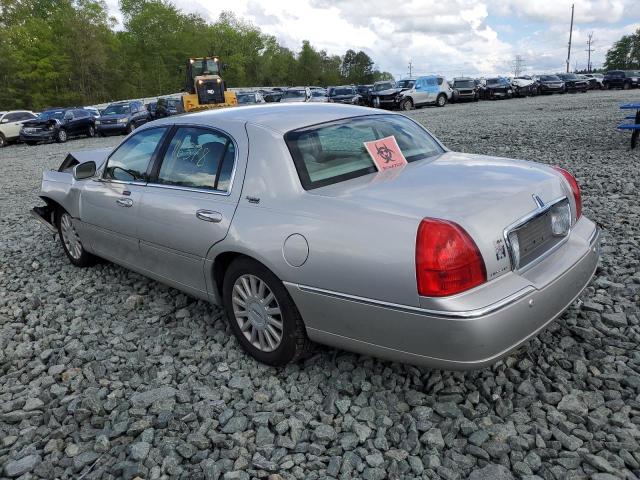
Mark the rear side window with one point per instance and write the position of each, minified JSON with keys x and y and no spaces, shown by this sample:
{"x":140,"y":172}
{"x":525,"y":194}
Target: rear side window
{"x":198,"y":158}
{"x":333,"y":152}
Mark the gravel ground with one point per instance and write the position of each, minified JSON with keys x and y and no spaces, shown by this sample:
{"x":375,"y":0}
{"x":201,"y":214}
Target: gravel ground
{"x":105,"y":374}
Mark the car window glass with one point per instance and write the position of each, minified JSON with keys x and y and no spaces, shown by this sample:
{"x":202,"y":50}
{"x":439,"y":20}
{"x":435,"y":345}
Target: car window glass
{"x":431,"y":81}
{"x":12,"y":117}
{"x":129,"y":162}
{"x":195,"y":158}
{"x":335,"y":151}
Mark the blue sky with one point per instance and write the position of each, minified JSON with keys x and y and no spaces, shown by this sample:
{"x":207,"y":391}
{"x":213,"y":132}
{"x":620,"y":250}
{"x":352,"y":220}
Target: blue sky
{"x":450,"y":37}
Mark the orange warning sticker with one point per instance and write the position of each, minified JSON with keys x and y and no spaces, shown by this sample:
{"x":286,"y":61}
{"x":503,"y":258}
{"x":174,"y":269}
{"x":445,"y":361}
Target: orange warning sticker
{"x":386,"y":153}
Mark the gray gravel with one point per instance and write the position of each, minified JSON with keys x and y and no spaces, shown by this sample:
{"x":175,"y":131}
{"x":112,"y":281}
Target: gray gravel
{"x":105,"y":374}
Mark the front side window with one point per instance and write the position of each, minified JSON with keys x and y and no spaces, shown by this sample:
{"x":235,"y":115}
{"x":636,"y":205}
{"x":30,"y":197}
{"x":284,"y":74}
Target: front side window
{"x":130,"y":161}
{"x":333,"y":152}
{"x":198,"y":158}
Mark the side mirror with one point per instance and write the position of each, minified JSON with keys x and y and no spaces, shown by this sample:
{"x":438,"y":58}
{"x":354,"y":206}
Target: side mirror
{"x":84,"y":170}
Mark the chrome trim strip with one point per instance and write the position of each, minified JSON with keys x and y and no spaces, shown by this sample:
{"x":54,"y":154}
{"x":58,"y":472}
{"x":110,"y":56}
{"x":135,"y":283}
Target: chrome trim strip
{"x":541,"y":210}
{"x":189,"y":189}
{"x":464,"y":314}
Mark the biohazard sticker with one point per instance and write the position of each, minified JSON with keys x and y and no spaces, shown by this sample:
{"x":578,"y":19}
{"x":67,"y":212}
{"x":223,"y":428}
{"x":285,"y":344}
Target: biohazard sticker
{"x":386,"y":153}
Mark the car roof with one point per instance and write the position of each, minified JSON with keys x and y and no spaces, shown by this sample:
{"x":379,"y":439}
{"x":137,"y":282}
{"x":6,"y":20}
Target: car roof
{"x":278,"y":117}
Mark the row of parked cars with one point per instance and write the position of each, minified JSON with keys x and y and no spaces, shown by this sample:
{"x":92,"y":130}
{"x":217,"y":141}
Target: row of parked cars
{"x":59,"y":124}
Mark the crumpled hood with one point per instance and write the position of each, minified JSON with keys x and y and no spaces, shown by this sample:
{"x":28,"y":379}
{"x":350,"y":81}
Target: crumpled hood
{"x":40,"y":123}
{"x":389,"y":91}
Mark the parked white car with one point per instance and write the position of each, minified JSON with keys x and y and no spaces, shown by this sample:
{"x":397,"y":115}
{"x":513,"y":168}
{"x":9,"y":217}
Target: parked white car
{"x":11,"y":123}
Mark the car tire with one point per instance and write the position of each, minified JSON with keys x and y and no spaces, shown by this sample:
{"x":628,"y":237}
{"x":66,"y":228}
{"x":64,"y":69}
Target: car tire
{"x":406,"y":104}
{"x":286,"y":338}
{"x":31,"y":144}
{"x":61,"y":135}
{"x":626,"y":86}
{"x":70,"y":241}
{"x":3,"y":141}
{"x":441,"y":100}
{"x":131,"y":127}
{"x":91,"y":131}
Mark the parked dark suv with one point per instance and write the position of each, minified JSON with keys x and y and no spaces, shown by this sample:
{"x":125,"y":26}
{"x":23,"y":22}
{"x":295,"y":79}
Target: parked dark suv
{"x":167,"y":107}
{"x":624,"y":79}
{"x":573,"y":83}
{"x":58,"y":124}
{"x":122,"y":117}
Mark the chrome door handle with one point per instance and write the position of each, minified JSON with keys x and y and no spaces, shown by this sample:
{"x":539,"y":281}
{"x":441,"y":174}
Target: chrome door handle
{"x":124,"y":202}
{"x":209,"y":216}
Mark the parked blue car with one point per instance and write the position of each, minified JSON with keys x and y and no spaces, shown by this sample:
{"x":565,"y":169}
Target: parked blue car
{"x":122,"y":117}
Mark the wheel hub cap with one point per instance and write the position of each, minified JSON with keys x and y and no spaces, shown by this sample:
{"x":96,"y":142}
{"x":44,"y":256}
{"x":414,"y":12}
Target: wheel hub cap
{"x":257,"y":312}
{"x":70,"y":236}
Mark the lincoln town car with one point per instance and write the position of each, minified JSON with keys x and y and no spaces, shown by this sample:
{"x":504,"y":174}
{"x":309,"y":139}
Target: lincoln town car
{"x":343,"y":225}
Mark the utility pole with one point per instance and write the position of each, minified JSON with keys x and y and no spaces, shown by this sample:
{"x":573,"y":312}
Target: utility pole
{"x":589,"y":50}
{"x":410,"y":68}
{"x":570,"y":34}
{"x":518,"y":65}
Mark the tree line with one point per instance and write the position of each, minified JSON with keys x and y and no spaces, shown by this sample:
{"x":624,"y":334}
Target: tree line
{"x":72,"y":52}
{"x":624,"y":54}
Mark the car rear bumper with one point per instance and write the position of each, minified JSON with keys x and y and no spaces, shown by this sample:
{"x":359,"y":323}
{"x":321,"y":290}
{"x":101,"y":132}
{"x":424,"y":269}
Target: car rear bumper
{"x":457,"y":340}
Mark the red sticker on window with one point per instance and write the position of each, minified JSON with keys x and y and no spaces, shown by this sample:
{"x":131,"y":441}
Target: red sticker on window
{"x":386,"y":153}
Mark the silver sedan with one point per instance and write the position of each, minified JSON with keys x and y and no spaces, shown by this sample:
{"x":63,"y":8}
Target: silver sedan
{"x":343,"y":225}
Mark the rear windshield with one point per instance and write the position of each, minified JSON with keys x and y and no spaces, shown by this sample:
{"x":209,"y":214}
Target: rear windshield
{"x":334,"y":152}
{"x":333,"y":92}
{"x":464,"y":84}
{"x":294,"y":94}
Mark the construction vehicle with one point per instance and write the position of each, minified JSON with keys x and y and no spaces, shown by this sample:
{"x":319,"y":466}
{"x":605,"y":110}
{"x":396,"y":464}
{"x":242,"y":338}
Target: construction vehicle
{"x":204,"y":86}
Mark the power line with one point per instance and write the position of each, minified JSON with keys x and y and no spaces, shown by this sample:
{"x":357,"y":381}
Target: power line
{"x":589,"y":50}
{"x":518,"y":65}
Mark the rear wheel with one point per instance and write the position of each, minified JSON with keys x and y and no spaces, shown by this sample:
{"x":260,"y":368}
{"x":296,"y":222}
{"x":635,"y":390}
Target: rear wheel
{"x":406,"y":104}
{"x":441,"y":101}
{"x":61,"y":136}
{"x":71,"y":241}
{"x":262,"y":315}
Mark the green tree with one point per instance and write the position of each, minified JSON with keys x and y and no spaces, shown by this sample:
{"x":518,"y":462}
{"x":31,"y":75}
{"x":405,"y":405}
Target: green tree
{"x":625,"y":53}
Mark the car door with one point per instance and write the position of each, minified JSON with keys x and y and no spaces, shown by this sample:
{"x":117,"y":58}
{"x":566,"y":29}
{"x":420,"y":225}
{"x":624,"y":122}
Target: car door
{"x":12,"y":123}
{"x":186,"y":206}
{"x":109,"y":205}
{"x":420,"y":95}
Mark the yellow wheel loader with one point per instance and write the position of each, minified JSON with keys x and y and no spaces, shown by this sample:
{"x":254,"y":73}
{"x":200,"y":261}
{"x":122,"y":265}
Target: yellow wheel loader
{"x":205,"y":87}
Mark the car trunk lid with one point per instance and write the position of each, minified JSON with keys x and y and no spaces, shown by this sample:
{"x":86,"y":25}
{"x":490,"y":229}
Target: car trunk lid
{"x":482,"y":194}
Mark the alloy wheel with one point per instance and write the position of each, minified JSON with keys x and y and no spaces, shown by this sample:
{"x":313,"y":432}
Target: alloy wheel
{"x":257,"y":313}
{"x":70,"y":237}
{"x":62,"y":135}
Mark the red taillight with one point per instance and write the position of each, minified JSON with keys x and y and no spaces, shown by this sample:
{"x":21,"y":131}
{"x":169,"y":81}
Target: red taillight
{"x":575,"y":189}
{"x":447,"y":259}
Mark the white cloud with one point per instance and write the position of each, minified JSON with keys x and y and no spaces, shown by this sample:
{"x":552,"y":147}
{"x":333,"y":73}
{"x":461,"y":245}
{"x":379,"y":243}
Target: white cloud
{"x":450,"y":37}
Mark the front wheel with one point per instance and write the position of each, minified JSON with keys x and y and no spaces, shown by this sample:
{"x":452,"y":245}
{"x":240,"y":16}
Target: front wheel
{"x":61,"y":136}
{"x":262,"y":315}
{"x":91,"y":131}
{"x":131,"y":127}
{"x":441,"y":101}
{"x":71,"y":242}
{"x":406,"y":104}
{"x":3,"y":141}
